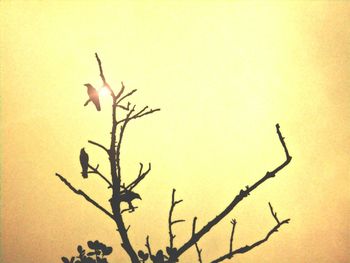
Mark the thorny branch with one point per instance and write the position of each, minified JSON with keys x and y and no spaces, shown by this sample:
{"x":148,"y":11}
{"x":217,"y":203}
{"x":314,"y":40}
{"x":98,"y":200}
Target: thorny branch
{"x":257,"y":243}
{"x":170,"y":220}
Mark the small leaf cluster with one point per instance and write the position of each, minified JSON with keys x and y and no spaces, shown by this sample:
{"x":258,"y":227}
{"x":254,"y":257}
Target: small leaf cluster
{"x":96,"y":255}
{"x":159,"y":257}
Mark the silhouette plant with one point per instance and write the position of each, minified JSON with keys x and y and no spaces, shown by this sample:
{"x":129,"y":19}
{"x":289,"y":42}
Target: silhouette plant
{"x":123,"y":195}
{"x":96,"y":255}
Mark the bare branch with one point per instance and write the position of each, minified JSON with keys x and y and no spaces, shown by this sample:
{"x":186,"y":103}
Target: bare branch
{"x":99,"y":145}
{"x":255,"y":244}
{"x":243,"y":193}
{"x":119,"y":93}
{"x":170,"y":221}
{"x":141,"y":111}
{"x":100,"y":67}
{"x":148,"y":246}
{"x":127,"y":108}
{"x":140,"y":177}
{"x":288,"y":157}
{"x":233,"y":222}
{"x":80,"y":192}
{"x":126,"y":95}
{"x":103,"y":77}
{"x":96,"y":171}
{"x":118,"y":147}
{"x":199,"y":251}
{"x":139,"y":114}
{"x":273,"y":213}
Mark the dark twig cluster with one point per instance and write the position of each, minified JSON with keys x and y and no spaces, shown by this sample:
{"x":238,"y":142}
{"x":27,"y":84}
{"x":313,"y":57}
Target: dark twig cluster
{"x":123,"y":193}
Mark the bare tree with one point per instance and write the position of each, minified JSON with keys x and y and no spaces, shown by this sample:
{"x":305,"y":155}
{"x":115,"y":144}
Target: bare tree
{"x":123,"y":193}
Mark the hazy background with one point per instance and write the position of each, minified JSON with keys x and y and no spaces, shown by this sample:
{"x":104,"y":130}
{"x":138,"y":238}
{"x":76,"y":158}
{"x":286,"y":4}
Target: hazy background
{"x":223,"y":73}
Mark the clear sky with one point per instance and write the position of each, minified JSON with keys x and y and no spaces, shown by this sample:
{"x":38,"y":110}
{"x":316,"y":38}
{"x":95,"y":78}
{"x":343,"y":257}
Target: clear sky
{"x":223,"y":73}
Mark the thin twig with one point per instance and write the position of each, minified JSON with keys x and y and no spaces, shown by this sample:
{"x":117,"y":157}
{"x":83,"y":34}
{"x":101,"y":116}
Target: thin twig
{"x":243,"y":193}
{"x":103,"y":77}
{"x":199,"y":251}
{"x":233,"y":222}
{"x":273,"y":213}
{"x":138,"y":115}
{"x":140,"y":177}
{"x":119,"y":93}
{"x":255,"y":244}
{"x":94,"y":170}
{"x":170,"y":221}
{"x":126,"y":95}
{"x":127,"y":108}
{"x":148,"y":246}
{"x":99,"y":145}
{"x":100,"y":67}
{"x":80,"y":192}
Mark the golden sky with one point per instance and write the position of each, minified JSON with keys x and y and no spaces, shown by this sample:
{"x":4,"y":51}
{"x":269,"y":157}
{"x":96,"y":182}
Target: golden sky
{"x":223,"y":73}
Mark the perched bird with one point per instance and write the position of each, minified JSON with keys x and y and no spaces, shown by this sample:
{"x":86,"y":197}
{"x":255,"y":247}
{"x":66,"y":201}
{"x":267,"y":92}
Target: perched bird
{"x":93,"y":96}
{"x":128,"y":197}
{"x":84,"y":161}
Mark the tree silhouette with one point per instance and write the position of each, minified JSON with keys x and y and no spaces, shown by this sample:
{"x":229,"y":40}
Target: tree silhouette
{"x":123,"y":193}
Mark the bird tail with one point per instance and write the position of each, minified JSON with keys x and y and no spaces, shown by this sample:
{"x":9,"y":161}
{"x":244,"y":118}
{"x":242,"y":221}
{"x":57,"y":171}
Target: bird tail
{"x":98,"y":107}
{"x":84,"y":173}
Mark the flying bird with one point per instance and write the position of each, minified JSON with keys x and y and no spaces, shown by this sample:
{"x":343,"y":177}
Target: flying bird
{"x":93,"y":96}
{"x":84,"y":161}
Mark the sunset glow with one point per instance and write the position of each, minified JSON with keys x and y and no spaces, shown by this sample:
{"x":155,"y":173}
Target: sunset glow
{"x":104,"y":91}
{"x":223,"y":74}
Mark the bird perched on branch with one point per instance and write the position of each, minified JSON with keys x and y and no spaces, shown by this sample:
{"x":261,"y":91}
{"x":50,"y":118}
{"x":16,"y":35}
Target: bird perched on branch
{"x":93,"y":96}
{"x":84,"y":161}
{"x":128,"y":196}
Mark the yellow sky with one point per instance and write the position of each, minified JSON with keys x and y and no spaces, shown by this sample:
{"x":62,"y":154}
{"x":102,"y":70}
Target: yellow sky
{"x":223,"y":73}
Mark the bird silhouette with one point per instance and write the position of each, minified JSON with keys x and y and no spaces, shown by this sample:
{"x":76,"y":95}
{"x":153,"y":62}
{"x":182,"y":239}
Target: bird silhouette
{"x":93,"y":96}
{"x":128,"y":197}
{"x":84,"y":161}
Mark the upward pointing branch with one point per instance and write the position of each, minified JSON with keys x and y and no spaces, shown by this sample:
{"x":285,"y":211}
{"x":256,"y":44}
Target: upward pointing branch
{"x":243,"y":193}
{"x":170,"y":220}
